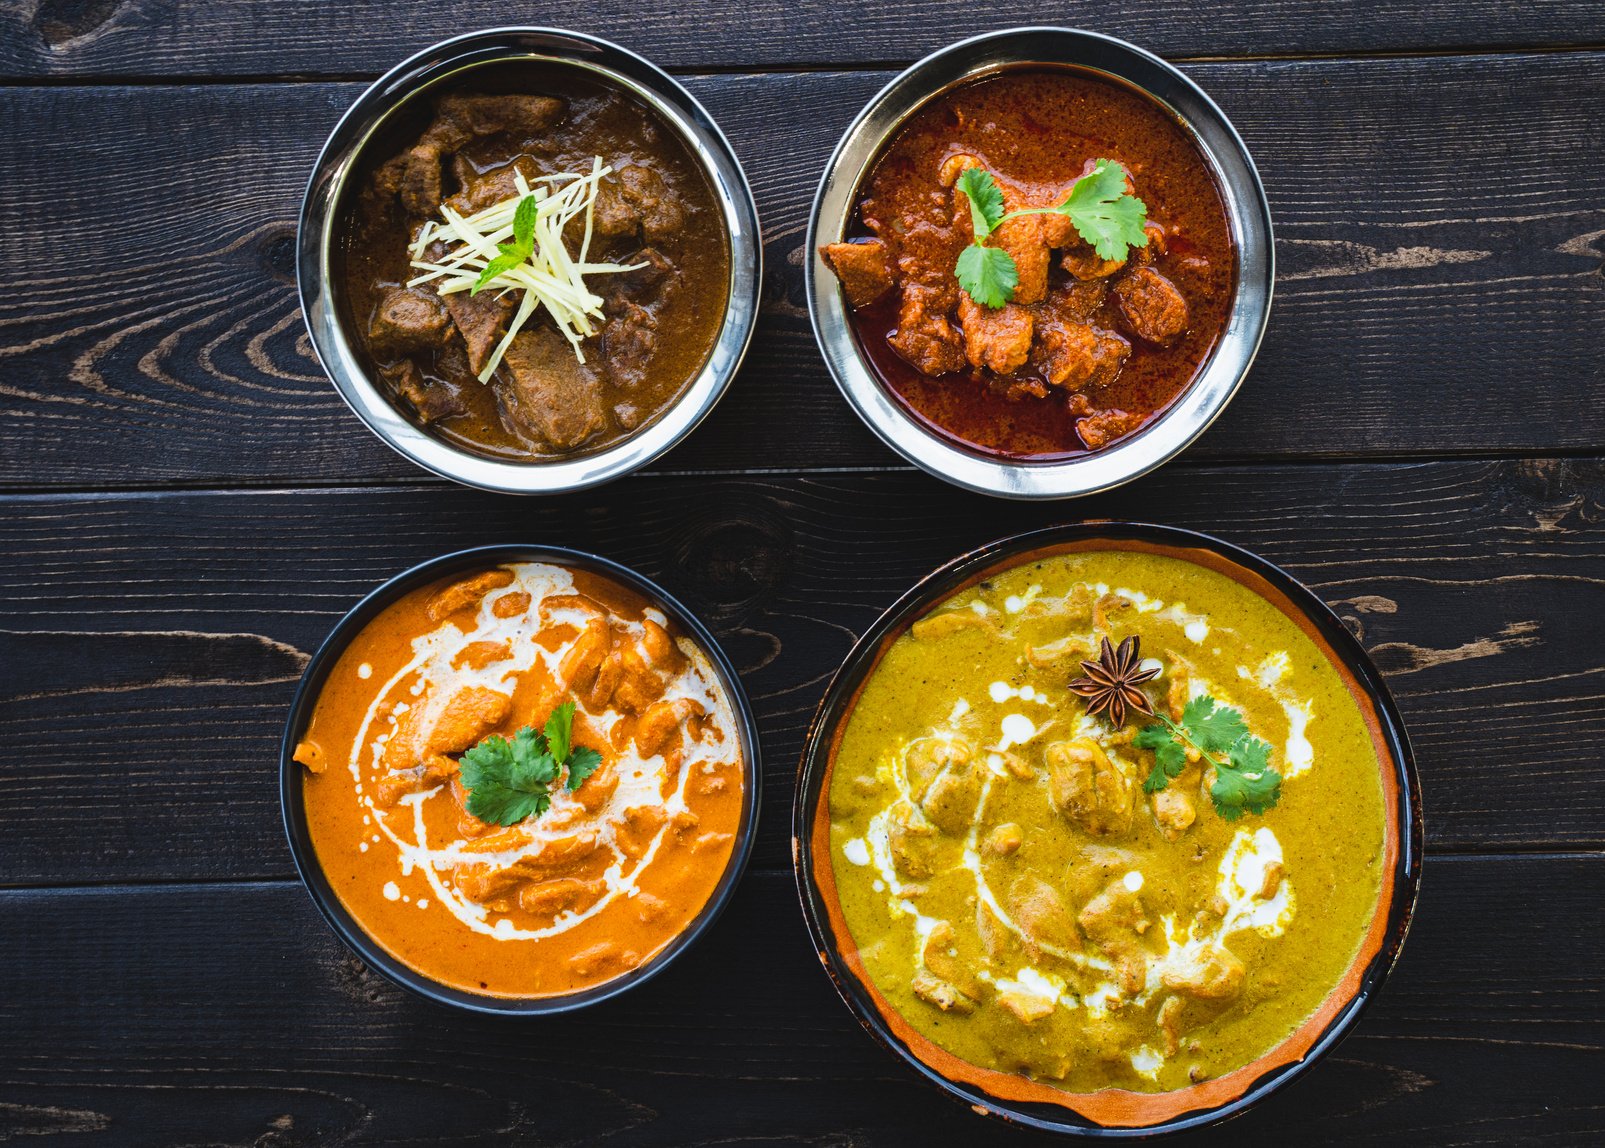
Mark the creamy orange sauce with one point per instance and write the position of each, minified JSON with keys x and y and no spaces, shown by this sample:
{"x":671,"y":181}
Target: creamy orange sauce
{"x":592,"y":888}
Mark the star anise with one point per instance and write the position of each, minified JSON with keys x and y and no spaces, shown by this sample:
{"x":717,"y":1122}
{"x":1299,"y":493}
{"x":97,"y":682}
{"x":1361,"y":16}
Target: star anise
{"x":1111,"y":682}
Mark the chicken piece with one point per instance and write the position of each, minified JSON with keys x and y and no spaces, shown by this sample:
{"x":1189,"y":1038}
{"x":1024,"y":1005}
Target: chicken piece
{"x":478,"y":655}
{"x":640,"y":825}
{"x":602,"y":957}
{"x":998,"y":339}
{"x":407,"y":319}
{"x":481,"y":320}
{"x":1114,"y":921}
{"x":1216,"y":975}
{"x":936,"y":626}
{"x":470,"y":714}
{"x":993,"y":933}
{"x":941,"y":956}
{"x":1151,"y":305}
{"x":392,"y":787}
{"x":1104,"y":427}
{"x":660,"y":649}
{"x":310,"y":754}
{"x":1143,"y":256}
{"x":1106,"y":605}
{"x":1078,"y":356}
{"x":1057,"y":230}
{"x":939,"y":994}
{"x":550,"y":393}
{"x":1040,"y":912}
{"x":1028,"y":1007}
{"x":1087,"y":788}
{"x":555,"y":857}
{"x":862,"y":267}
{"x":548,"y":898}
{"x":1173,"y":810}
{"x":466,"y":594}
{"x":581,"y":665}
{"x":1005,"y":839}
{"x":1180,"y":691}
{"x":926,"y":758}
{"x":429,"y":400}
{"x":954,"y":166}
{"x":513,"y":605}
{"x":910,"y":840}
{"x":949,"y":801}
{"x":1271,"y":882}
{"x":639,"y":683}
{"x":1022,"y":238}
{"x":924,"y":337}
{"x":1170,"y":1023}
{"x":661,"y":721}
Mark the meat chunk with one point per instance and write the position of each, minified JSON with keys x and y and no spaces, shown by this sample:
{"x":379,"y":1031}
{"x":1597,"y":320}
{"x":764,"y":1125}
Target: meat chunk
{"x":939,"y":994}
{"x":310,"y":754}
{"x":1173,"y":810}
{"x":1087,"y":788}
{"x":1114,"y":921}
{"x":950,"y":799}
{"x":481,"y":320}
{"x":1084,"y":263}
{"x":635,"y":199}
{"x":1100,"y":429}
{"x":407,"y":319}
{"x":1151,"y":305}
{"x":470,"y":114}
{"x":942,"y":957}
{"x":430,"y":400}
{"x":479,"y":190}
{"x":418,"y":181}
{"x":934,"y":627}
{"x":998,"y":339}
{"x":628,"y":342}
{"x":1022,"y":238}
{"x":549,"y":392}
{"x":1215,"y":974}
{"x":466,"y":593}
{"x":911,"y":844}
{"x":1041,"y":914}
{"x":862,"y":267}
{"x":467,"y":716}
{"x":1027,"y":1007}
{"x":652,"y":279}
{"x":924,"y":337}
{"x":1077,"y":356}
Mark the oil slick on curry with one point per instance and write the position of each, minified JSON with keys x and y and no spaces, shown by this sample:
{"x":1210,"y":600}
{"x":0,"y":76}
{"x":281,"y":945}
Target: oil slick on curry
{"x":1099,"y":328}
{"x":523,"y":783}
{"x":1046,"y":892}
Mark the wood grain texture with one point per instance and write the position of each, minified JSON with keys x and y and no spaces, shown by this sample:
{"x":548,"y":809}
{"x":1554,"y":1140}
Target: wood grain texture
{"x":150,"y":644}
{"x":230,"y":1014}
{"x":1440,"y":287}
{"x":257,"y":37}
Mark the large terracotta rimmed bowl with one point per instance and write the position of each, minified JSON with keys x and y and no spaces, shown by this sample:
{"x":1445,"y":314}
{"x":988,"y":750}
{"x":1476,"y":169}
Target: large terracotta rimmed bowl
{"x":292,"y":796}
{"x":1114,"y":1112}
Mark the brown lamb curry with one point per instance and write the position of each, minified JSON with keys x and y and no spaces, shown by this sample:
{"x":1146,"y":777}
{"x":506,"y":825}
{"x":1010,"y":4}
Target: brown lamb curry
{"x":1089,"y":349}
{"x":651,"y":252}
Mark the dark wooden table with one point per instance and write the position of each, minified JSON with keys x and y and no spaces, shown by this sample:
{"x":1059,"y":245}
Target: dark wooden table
{"x":188,"y":508}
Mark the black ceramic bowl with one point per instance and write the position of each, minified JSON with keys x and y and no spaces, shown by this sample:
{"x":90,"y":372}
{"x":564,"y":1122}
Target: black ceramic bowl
{"x":1115,"y":1113}
{"x":291,"y":794}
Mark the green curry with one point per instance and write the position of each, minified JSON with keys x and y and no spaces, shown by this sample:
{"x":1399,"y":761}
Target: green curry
{"x":1021,"y":899}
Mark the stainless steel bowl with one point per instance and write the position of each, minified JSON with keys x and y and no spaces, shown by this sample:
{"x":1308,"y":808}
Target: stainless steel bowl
{"x":1247,"y":211}
{"x":342,"y":158}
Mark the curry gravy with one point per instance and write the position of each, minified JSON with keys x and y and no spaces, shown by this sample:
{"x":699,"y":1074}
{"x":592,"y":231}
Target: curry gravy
{"x":1074,"y":928}
{"x":559,"y":902}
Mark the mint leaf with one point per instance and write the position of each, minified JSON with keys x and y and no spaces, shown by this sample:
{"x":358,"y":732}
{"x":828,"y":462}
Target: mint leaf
{"x":1104,"y":214}
{"x":560,"y":731}
{"x":988,"y":274}
{"x":584,"y":763}
{"x":1212,"y":726}
{"x":494,"y":268}
{"x":524,"y":224}
{"x":1246,"y":783}
{"x":986,"y":201}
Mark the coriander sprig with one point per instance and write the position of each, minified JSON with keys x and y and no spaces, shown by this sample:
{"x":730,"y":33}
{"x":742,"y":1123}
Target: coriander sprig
{"x":1244,"y":779}
{"x":511,"y":780}
{"x":1102,"y":211}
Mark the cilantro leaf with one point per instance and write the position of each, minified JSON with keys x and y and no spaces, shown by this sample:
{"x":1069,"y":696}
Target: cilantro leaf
{"x":508,"y":780}
{"x":1170,"y":756}
{"x":1212,"y":726}
{"x":988,"y":274}
{"x":585,"y":762}
{"x":504,"y":262}
{"x":1104,"y":213}
{"x":986,"y":200}
{"x":560,"y":731}
{"x":1246,"y":783}
{"x":524,"y":224}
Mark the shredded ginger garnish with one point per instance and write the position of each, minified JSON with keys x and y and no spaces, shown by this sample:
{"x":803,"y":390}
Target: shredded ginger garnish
{"x":549,"y":278}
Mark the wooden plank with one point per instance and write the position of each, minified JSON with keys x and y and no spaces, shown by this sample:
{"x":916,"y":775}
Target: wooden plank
{"x":228,"y":1013}
{"x":151,"y":643}
{"x":253,"y":37}
{"x":1440,"y":285}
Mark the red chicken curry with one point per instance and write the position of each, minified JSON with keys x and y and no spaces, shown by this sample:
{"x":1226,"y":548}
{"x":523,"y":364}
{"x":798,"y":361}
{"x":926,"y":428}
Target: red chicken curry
{"x":1088,"y":349}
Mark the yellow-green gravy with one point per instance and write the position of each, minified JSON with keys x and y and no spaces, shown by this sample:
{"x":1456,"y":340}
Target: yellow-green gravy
{"x":1023,"y":903}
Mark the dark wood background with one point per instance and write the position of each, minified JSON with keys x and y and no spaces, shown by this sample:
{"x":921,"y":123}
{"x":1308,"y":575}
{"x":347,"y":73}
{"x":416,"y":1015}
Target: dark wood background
{"x":187,"y":508}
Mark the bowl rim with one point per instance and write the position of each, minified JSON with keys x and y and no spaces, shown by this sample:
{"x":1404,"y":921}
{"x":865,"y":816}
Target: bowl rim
{"x":292,"y":803}
{"x":1388,"y":927}
{"x":441,"y":65}
{"x":1192,"y":411}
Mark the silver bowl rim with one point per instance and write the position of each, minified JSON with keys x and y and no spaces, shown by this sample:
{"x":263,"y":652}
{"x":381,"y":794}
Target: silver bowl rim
{"x":1248,"y":212}
{"x":435,"y":66}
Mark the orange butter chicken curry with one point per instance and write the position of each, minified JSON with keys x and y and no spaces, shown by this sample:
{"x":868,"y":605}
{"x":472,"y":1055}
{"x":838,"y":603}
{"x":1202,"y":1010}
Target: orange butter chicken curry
{"x":514,"y":883}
